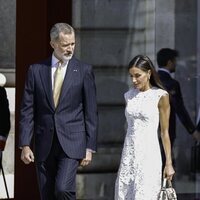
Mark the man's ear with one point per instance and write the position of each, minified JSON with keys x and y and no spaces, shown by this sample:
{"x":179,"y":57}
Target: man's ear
{"x":53,"y":45}
{"x":169,"y":63}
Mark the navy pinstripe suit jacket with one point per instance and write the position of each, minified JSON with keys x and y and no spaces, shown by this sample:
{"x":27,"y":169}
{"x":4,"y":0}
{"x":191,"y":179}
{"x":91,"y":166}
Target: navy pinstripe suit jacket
{"x":75,"y":118}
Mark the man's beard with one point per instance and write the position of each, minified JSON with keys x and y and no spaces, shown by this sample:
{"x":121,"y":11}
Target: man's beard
{"x":66,"y":58}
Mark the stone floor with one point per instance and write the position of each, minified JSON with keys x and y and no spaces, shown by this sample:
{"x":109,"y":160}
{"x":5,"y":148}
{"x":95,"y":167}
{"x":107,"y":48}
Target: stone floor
{"x":180,"y":185}
{"x":188,"y":197}
{"x":10,"y":185}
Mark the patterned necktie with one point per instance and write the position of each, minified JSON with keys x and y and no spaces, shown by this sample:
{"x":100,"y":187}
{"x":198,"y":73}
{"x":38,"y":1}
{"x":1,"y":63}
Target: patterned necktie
{"x":58,"y":81}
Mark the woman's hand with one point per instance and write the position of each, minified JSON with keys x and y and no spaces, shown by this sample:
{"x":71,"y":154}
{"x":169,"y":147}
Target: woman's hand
{"x":169,"y":172}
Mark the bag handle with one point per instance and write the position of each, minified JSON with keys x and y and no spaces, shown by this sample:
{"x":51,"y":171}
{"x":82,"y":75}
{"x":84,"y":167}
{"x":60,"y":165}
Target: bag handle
{"x":166,"y":183}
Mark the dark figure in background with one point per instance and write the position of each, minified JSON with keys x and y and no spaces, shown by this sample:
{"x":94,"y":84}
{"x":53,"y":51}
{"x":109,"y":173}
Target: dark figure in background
{"x":59,"y":108}
{"x":4,"y":129}
{"x":166,"y":59}
{"x":4,"y":118}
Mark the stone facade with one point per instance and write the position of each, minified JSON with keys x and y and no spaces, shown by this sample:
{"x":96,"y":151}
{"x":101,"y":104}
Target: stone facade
{"x":109,"y":34}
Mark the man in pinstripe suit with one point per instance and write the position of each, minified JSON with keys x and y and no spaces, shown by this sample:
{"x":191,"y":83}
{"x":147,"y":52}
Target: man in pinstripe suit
{"x":65,"y":132}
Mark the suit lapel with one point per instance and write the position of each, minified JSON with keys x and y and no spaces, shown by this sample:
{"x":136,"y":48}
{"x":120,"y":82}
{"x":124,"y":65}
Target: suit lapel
{"x":45,"y":75}
{"x":68,"y":80}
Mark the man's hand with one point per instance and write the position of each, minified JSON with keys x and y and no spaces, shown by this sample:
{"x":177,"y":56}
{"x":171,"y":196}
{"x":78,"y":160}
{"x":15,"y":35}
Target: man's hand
{"x":196,"y":136}
{"x":27,"y":155}
{"x":87,"y":160}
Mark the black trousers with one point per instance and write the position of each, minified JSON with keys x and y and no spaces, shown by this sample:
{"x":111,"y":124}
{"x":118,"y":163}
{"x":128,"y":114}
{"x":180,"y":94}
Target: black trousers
{"x":57,"y":175}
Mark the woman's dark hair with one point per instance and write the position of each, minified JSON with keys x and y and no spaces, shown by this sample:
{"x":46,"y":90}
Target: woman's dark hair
{"x":144,"y":63}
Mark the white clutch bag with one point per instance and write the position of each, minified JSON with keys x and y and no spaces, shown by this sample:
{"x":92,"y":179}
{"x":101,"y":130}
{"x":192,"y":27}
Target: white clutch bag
{"x":167,"y":192}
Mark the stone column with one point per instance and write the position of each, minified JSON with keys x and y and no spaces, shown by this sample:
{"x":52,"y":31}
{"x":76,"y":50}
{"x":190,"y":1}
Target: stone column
{"x":164,"y":24}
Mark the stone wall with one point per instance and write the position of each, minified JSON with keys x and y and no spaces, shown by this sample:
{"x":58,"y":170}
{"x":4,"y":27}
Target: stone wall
{"x":7,"y":38}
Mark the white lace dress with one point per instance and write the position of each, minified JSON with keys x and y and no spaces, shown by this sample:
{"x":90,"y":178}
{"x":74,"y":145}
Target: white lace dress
{"x":139,"y":175}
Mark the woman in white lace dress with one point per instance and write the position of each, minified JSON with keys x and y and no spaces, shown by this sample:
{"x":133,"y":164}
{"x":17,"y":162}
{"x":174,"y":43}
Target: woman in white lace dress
{"x":147,"y":105}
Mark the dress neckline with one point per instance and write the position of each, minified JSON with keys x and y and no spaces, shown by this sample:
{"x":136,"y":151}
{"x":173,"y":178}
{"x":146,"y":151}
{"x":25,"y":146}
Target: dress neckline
{"x":145,"y":91}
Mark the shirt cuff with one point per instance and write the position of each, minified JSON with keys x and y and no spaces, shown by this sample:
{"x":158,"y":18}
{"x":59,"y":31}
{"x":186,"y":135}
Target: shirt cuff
{"x":90,"y":150}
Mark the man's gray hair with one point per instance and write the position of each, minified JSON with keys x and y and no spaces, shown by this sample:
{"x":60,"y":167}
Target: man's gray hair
{"x":58,"y":28}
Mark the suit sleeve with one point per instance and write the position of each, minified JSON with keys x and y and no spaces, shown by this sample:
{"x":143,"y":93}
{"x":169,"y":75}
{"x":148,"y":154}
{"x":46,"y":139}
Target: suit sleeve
{"x":4,"y":114}
{"x":180,"y":109}
{"x":90,"y":109}
{"x":27,"y":111}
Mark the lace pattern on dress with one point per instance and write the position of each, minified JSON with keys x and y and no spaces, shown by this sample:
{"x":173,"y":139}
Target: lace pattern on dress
{"x":139,"y":174}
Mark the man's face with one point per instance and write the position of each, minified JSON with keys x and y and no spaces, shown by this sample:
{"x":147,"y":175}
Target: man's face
{"x":64,"y":46}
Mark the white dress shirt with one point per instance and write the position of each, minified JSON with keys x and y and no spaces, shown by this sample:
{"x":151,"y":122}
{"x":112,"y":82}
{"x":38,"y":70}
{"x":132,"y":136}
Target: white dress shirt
{"x":165,"y":70}
{"x":54,"y":65}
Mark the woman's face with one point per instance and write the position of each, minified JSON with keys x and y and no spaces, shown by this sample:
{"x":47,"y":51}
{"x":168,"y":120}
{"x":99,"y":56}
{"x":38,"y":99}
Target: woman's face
{"x":140,"y":78}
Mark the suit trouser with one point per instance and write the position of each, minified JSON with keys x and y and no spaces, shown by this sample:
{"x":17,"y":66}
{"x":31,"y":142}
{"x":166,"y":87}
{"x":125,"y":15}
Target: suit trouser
{"x":57,"y":175}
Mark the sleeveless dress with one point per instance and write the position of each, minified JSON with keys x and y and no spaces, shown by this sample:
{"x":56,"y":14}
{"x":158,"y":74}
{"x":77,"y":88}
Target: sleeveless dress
{"x":139,"y":174}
